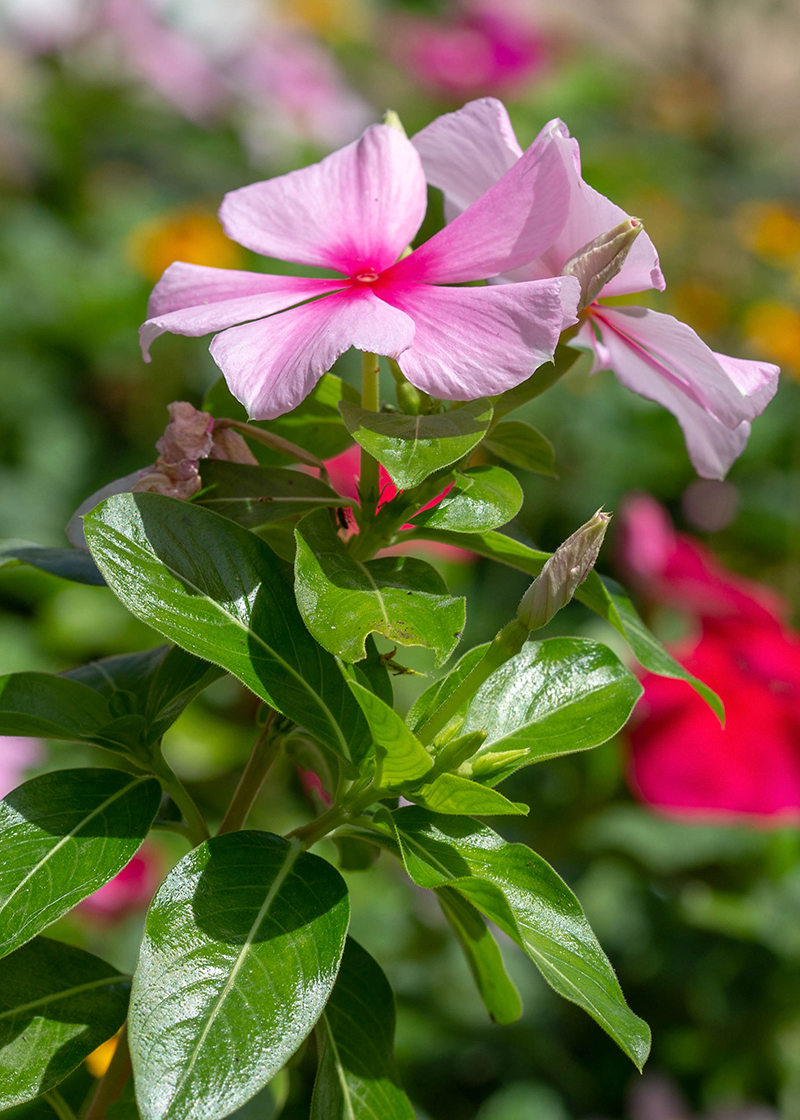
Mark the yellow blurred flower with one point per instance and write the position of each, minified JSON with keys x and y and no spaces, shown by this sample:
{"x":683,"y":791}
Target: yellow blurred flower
{"x":190,"y":235}
{"x":773,"y":329}
{"x":701,"y":306}
{"x":333,"y":19}
{"x":100,"y":1059}
{"x":771,"y":230}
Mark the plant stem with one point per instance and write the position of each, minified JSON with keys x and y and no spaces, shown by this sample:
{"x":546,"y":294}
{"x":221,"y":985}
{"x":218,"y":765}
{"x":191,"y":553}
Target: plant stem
{"x":59,"y":1105}
{"x":506,"y":644}
{"x":369,"y":484}
{"x":113,"y":1081}
{"x":309,"y":833}
{"x":171,"y":784}
{"x":265,"y":750}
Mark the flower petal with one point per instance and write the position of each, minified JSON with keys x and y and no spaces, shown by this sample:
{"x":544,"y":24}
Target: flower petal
{"x":193,"y":299}
{"x":682,"y":381}
{"x":512,"y":223}
{"x":464,"y":153}
{"x":757,"y":381}
{"x":355,"y":211}
{"x":271,"y":365}
{"x":473,"y":342}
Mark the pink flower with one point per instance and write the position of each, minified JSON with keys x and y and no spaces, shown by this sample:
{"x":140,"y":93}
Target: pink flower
{"x":682,"y":760}
{"x":355,"y":213}
{"x":712,"y":396}
{"x":17,"y":753}
{"x":130,"y":890}
{"x":487,"y":47}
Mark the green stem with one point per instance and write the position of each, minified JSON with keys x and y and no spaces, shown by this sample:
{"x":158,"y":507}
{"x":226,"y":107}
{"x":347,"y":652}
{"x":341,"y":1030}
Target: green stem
{"x":310,"y":833}
{"x":369,"y":485}
{"x":171,"y":784}
{"x":265,"y":750}
{"x":506,"y":645}
{"x":59,"y":1105}
{"x":113,"y":1080}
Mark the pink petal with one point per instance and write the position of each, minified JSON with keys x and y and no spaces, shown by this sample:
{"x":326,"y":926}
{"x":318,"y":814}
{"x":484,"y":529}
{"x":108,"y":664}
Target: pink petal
{"x":194,"y":299}
{"x":271,"y":365}
{"x":466,"y":152}
{"x":757,"y":381}
{"x":513,"y":222}
{"x":712,"y":445}
{"x":472,"y":342}
{"x":355,"y":211}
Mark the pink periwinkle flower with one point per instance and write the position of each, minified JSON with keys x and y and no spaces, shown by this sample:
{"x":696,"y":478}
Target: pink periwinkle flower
{"x":712,"y":396}
{"x":130,"y":890}
{"x":682,"y":760}
{"x":355,"y":212}
{"x":487,"y":46}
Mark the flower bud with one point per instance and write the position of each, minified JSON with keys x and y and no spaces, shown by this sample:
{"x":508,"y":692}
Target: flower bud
{"x":392,"y":118}
{"x":601,"y":259}
{"x":561,"y":576}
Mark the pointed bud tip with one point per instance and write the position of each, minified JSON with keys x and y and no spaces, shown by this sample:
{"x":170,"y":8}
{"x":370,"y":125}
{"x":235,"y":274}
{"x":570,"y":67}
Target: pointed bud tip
{"x":601,"y":259}
{"x":392,"y":118}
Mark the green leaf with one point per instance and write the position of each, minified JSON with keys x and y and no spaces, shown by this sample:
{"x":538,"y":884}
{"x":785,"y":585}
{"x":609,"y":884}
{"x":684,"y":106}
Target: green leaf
{"x":413,"y":447}
{"x":67,"y":563}
{"x":41,"y":704}
{"x":64,"y":835}
{"x":221,"y":593}
{"x":517,"y":890}
{"x":522,"y":445}
{"x":357,"y":1077}
{"x":342,"y":600}
{"x":314,"y":425}
{"x":157,"y":684}
{"x":401,"y":756}
{"x":555,"y":697}
{"x":481,"y":498}
{"x":256,"y":496}
{"x":604,"y":596}
{"x":452,"y":793}
{"x":57,"y":1005}
{"x":240,"y":952}
{"x":435,"y":694}
{"x":483,"y":955}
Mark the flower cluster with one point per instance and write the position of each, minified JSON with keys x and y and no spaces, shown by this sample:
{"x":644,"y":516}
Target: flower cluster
{"x":682,"y":759}
{"x":549,"y":246}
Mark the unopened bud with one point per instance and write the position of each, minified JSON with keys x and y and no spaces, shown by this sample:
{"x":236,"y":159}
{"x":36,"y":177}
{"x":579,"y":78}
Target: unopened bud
{"x":391,"y":118}
{"x":601,"y":259}
{"x":563,"y":573}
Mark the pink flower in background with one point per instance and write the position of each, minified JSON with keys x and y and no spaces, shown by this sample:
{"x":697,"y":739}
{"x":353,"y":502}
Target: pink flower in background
{"x":488,"y":46}
{"x":712,"y":396}
{"x":682,"y":760}
{"x":130,"y":890}
{"x":355,"y":213}
{"x":17,"y":754}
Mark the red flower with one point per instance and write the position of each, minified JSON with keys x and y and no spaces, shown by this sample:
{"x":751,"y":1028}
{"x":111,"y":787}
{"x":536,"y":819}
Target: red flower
{"x":682,"y":760}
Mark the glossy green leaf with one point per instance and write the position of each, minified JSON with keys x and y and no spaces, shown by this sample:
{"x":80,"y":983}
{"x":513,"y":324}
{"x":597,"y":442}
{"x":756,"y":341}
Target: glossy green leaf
{"x":67,"y":563}
{"x":314,"y":425}
{"x":413,"y":447}
{"x":517,"y":890}
{"x":555,"y":697}
{"x":401,"y":756}
{"x":357,"y":1077}
{"x":522,"y":445}
{"x":435,"y":694}
{"x":42,"y":704}
{"x":483,"y":955}
{"x":157,"y":684}
{"x":603,"y":596}
{"x":57,"y":1005}
{"x":342,"y":600}
{"x":481,"y":498}
{"x":240,"y":952}
{"x":452,"y":793}
{"x":220,"y":592}
{"x":64,"y":835}
{"x":256,"y":496}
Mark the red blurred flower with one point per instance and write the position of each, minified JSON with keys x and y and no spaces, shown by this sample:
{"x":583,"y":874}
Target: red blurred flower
{"x":682,"y":760}
{"x":130,"y":890}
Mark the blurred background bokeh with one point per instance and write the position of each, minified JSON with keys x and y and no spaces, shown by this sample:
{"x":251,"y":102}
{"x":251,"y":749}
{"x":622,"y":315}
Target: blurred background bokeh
{"x":122,"y":124}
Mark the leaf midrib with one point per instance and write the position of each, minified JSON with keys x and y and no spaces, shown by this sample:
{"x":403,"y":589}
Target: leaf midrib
{"x":68,"y":993}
